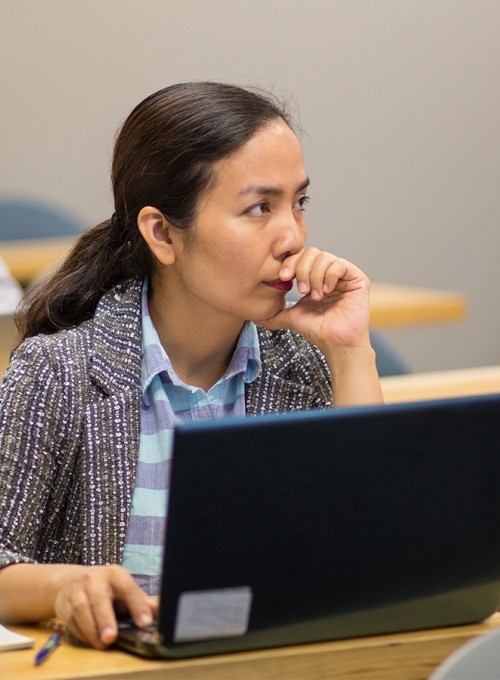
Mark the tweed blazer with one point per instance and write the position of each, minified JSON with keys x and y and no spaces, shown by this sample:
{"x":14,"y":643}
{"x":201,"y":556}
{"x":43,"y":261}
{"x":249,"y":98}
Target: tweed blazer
{"x":70,"y":426}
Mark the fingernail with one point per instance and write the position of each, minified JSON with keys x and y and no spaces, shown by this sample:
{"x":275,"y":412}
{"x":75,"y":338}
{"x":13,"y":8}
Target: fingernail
{"x":302,"y":287}
{"x":285,"y":271}
{"x":325,"y":288}
{"x":145,"y":619}
{"x":107,"y":635}
{"x":315,"y":294}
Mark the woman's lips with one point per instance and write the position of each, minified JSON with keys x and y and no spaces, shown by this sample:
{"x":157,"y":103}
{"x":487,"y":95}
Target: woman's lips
{"x":285,"y":286}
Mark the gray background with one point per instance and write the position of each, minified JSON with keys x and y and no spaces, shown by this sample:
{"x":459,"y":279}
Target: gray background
{"x":399,"y":99}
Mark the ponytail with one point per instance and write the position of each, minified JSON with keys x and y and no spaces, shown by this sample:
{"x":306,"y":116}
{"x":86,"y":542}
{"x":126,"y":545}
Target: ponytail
{"x":99,"y":260}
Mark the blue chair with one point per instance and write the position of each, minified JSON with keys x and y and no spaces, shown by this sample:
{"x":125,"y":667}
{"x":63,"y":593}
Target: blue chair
{"x":27,"y":219}
{"x":388,"y":360}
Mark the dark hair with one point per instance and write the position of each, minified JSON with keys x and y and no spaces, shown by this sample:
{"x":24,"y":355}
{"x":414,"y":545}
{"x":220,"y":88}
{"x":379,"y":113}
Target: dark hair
{"x":163,"y":156}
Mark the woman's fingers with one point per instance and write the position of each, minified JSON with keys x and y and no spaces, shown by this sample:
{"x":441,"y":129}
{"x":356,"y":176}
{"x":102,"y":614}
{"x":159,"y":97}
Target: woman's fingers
{"x":76,"y":611}
{"x":136,"y":601}
{"x":324,"y":275}
{"x":304,"y":270}
{"x":76,"y":631}
{"x":86,"y":604}
{"x":100,"y":594}
{"x":340,"y":274}
{"x":299,"y":266}
{"x":289,"y":265}
{"x":316,"y":271}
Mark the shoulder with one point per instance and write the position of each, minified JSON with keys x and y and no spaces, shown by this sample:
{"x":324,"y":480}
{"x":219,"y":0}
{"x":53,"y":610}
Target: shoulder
{"x":53,"y":352}
{"x":111,"y":336}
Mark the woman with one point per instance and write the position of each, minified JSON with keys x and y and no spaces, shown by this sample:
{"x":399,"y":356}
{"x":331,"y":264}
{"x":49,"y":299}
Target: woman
{"x":172,"y":309}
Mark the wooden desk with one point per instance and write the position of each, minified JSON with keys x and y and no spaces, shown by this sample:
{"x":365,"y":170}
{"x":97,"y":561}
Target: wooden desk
{"x":441,"y":384}
{"x":405,"y":656}
{"x":394,"y":306}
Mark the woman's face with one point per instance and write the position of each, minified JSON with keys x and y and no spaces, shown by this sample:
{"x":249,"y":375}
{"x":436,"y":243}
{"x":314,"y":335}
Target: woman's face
{"x":247,"y":224}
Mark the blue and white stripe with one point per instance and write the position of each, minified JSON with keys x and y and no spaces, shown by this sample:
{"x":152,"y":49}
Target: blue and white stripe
{"x":165,"y":401}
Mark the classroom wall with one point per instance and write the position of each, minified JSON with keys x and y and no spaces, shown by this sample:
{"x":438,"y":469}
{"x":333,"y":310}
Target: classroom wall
{"x":399,"y":99}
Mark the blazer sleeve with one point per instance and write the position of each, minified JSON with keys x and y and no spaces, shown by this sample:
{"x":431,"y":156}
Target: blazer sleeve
{"x":38,"y":431}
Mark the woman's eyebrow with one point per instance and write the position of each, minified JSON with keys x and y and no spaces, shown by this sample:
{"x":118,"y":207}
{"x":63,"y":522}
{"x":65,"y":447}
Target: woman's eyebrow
{"x":271,"y":191}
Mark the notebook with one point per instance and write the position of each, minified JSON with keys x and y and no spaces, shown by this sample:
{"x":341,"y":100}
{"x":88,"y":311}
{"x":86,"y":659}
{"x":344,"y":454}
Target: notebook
{"x":323,"y":525}
{"x":10,"y":640}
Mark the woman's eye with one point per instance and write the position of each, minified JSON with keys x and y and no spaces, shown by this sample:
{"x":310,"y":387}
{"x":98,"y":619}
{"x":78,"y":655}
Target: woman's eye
{"x":258,"y":209}
{"x":300,"y":204}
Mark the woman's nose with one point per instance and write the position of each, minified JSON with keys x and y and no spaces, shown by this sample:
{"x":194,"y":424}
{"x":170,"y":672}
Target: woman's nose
{"x":291,"y":236}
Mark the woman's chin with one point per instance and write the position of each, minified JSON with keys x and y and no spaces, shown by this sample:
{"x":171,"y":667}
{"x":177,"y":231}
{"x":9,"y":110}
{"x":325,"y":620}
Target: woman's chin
{"x":269,"y":311}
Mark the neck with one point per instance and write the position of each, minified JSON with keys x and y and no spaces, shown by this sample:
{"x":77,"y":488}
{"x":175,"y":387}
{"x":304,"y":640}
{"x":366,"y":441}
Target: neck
{"x":200,"y":342}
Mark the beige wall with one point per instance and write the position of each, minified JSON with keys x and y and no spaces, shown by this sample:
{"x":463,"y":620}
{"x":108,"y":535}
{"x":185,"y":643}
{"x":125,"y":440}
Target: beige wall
{"x":400,"y":100}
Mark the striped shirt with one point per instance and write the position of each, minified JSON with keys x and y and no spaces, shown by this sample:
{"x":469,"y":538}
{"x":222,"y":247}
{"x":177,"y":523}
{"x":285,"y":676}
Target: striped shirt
{"x":166,"y":400}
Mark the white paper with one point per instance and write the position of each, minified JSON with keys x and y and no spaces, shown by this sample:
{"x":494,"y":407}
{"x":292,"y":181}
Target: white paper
{"x":205,"y":614}
{"x":10,"y":640}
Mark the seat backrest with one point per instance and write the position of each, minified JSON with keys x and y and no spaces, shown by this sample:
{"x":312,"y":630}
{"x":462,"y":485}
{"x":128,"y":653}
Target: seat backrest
{"x":388,"y":360}
{"x":26,"y":219}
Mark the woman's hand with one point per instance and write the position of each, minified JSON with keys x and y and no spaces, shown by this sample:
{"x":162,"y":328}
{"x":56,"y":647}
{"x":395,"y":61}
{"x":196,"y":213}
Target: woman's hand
{"x":334,"y":315}
{"x":85,"y":603}
{"x":334,"y":311}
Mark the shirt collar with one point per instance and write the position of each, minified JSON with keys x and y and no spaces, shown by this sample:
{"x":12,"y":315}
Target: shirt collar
{"x":155,"y":361}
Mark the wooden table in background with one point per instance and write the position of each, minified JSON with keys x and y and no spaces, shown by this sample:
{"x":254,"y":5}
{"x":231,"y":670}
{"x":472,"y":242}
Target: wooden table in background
{"x":28,"y":258}
{"x":462,"y":382}
{"x":391,"y":306}
{"x":403,"y":656}
{"x":394,"y":306}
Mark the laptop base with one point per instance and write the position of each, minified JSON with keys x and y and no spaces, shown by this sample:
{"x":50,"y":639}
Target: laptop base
{"x":459,"y":607}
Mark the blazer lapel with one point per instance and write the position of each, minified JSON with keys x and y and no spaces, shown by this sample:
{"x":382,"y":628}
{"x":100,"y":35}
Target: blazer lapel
{"x":271,"y":394}
{"x":282,"y":384}
{"x":112,"y":442}
{"x":112,"y":423}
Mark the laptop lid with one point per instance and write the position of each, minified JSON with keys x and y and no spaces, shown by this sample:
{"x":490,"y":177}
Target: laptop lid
{"x":320,"y":525}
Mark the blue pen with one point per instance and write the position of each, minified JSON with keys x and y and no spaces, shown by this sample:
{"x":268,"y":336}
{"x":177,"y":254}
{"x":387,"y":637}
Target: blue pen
{"x":51,"y":644}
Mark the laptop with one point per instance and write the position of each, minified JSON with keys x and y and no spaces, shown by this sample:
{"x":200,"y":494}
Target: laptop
{"x":322,"y":525}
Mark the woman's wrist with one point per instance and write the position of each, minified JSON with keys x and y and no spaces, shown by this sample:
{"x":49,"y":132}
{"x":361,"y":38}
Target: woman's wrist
{"x":28,"y":591}
{"x":348,"y":360}
{"x":355,"y":380}
{"x":59,"y":574}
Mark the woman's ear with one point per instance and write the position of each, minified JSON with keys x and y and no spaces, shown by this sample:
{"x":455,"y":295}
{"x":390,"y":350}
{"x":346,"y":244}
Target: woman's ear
{"x":156,"y":231}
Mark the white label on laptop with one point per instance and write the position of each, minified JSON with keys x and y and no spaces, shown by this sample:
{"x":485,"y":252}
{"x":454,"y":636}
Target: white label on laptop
{"x":205,"y":614}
